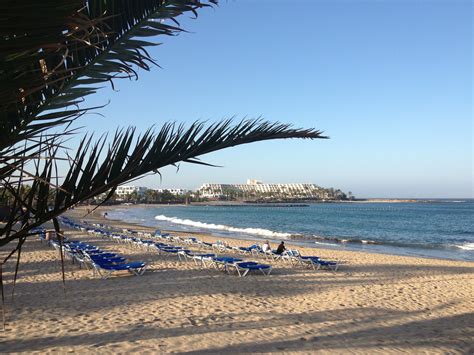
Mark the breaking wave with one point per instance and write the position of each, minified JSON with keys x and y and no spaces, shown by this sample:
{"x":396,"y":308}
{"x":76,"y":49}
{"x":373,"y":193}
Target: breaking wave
{"x":467,"y":246}
{"x":222,"y":227}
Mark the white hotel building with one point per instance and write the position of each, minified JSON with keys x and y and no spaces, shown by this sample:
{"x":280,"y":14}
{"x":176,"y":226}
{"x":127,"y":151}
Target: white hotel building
{"x":174,"y":191}
{"x":123,"y":191}
{"x":256,"y":186}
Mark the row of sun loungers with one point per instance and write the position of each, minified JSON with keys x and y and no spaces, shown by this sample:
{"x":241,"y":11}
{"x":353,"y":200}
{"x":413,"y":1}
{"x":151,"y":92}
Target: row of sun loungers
{"x":291,"y":256}
{"x":149,"y":241}
{"x":225,"y":263}
{"x":204,"y":260}
{"x":101,"y":262}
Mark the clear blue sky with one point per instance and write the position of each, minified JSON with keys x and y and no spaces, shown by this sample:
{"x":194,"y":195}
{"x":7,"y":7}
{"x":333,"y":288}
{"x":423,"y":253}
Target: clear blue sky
{"x":389,"y":81}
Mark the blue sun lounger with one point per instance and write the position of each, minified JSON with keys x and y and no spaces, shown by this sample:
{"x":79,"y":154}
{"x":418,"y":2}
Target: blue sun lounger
{"x":105,"y":267}
{"x":112,"y":259}
{"x":243,"y":268}
{"x":317,"y":263}
{"x":328,"y":264}
{"x":204,"y":244}
{"x":164,"y":248}
{"x":190,"y":240}
{"x":221,"y":262}
{"x":247,"y":250}
{"x":198,"y":258}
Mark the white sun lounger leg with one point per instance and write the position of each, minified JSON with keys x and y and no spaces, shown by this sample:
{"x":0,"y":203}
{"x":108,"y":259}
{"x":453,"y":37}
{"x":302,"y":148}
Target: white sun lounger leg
{"x":241,"y":271}
{"x":103,"y":274}
{"x":201,"y":262}
{"x":138,"y":271}
{"x":205,"y":263}
{"x":316,"y":266}
{"x":334,"y":267}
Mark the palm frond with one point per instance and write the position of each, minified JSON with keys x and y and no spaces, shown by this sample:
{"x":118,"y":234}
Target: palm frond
{"x":47,"y":69}
{"x":98,"y":167}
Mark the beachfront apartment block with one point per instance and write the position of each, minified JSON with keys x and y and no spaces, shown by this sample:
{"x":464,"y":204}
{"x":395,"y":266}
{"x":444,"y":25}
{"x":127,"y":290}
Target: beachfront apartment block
{"x":123,"y":191}
{"x":258,"y":187}
{"x":173,"y":191}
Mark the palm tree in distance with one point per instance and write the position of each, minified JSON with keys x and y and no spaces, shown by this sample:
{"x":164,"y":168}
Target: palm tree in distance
{"x":47,"y":68}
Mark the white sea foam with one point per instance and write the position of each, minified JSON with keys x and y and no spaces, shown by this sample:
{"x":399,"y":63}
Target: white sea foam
{"x":331,"y":244}
{"x":197,"y":224}
{"x":467,"y":246}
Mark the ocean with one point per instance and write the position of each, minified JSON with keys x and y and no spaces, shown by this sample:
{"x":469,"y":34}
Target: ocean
{"x":440,"y":229}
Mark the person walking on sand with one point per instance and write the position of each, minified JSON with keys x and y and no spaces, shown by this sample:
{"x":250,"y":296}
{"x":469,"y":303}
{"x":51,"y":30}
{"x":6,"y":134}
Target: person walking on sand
{"x":281,"y":248}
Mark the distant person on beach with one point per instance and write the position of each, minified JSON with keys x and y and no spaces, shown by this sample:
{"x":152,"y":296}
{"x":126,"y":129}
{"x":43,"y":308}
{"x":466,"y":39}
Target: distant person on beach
{"x":281,"y":248}
{"x":105,"y":215}
{"x":266,"y":247}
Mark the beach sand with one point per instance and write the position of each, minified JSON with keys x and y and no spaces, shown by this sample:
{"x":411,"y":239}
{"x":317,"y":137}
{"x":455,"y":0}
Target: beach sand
{"x":374,"y":304}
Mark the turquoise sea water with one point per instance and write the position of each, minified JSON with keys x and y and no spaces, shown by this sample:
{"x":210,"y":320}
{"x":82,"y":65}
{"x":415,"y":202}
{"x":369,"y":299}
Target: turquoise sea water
{"x":442,"y":229}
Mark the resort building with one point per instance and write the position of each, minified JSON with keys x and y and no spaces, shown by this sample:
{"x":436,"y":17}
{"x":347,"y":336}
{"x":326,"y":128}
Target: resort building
{"x":256,"y":187}
{"x":123,"y":191}
{"x":173,"y":191}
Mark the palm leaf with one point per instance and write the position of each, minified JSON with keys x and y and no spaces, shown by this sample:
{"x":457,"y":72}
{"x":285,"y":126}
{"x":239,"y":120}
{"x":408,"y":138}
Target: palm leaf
{"x":97,"y":168}
{"x":47,"y":69}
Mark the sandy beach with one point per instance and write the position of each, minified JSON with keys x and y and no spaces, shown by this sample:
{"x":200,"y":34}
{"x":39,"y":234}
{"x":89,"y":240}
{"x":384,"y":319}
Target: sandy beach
{"x":374,"y":304}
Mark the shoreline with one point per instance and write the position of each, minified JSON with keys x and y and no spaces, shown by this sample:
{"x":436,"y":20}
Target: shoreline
{"x":298,"y":202}
{"x":359,"y":245}
{"x":237,"y":240}
{"x":307,"y":250}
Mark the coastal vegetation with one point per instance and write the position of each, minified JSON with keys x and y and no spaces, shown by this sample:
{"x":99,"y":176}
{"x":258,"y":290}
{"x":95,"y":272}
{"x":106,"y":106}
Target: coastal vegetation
{"x":323,"y":194}
{"x":166,"y":197}
{"x":48,"y":68}
{"x":152,"y":197}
